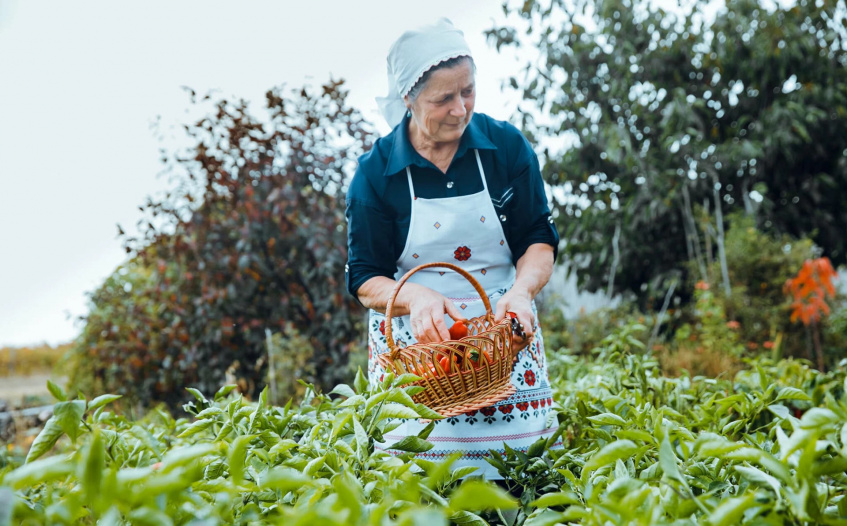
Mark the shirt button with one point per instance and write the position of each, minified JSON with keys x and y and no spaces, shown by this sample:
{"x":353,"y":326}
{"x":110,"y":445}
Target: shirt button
{"x":502,"y":217}
{"x":449,"y":184}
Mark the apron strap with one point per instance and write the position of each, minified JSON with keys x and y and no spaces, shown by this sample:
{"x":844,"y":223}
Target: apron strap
{"x":481,"y":172}
{"x":411,"y":186}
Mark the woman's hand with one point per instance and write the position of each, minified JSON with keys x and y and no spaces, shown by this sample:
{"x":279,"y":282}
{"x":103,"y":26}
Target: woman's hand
{"x":424,"y":306}
{"x":518,"y":301}
{"x":426,"y":315}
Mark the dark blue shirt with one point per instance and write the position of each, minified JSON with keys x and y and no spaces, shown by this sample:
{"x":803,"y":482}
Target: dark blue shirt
{"x":379,"y":202}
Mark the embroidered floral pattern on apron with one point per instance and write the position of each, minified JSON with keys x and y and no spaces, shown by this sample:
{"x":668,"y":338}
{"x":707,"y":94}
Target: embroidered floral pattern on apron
{"x":456,"y":229}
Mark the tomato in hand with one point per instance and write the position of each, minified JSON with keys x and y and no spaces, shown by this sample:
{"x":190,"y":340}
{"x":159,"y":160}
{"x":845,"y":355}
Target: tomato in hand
{"x":458,"y":331}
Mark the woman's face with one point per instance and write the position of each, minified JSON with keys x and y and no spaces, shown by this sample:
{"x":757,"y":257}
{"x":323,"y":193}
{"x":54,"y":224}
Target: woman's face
{"x":444,"y":107}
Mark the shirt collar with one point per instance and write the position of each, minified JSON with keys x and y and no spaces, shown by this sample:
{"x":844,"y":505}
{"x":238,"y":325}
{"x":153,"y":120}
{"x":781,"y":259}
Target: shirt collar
{"x":402,"y":154}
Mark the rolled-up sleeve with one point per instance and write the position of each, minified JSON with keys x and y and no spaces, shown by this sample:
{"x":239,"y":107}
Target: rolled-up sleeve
{"x":532,"y":223}
{"x":370,"y":240}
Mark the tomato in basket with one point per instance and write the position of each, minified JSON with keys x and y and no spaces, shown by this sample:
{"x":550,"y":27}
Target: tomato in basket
{"x":458,"y":330}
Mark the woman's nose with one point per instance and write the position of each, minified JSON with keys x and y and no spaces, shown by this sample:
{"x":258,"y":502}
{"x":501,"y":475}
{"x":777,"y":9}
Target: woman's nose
{"x":459,"y":109}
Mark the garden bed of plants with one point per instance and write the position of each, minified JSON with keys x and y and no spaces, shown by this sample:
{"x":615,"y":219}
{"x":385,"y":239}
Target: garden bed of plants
{"x":768,"y":446}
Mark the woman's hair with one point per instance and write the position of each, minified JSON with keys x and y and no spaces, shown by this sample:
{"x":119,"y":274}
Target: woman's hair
{"x":449,"y":63}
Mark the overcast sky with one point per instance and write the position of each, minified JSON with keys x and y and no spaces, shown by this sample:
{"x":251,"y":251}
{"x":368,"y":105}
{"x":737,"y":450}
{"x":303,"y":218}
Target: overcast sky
{"x":81,"y":83}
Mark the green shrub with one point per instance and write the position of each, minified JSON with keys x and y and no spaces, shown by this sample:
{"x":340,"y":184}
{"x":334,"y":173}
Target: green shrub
{"x":250,"y":238}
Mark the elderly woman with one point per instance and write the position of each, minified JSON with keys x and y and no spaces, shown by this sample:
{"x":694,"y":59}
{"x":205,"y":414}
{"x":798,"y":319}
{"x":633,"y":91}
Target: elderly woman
{"x":448,"y":184}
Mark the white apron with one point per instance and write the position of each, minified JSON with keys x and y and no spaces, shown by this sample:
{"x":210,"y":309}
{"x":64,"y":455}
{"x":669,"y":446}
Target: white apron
{"x":466,"y":231}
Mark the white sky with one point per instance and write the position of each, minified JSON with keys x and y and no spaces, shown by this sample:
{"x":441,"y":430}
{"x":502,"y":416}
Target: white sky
{"x":81,"y":82}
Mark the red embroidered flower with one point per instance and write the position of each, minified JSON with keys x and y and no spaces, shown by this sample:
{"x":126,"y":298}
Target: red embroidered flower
{"x":543,"y":402}
{"x":382,"y":327}
{"x":529,"y":378}
{"x":488,"y":411}
{"x":523,"y":406}
{"x":462,"y":253}
{"x":550,"y":401}
{"x":534,"y":404}
{"x":471,"y":413}
{"x":506,"y":409}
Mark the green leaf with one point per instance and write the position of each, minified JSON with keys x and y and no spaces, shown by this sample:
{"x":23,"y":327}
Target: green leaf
{"x":610,"y":419}
{"x":197,"y":394}
{"x":404,"y":379}
{"x":343,"y":390}
{"x":460,"y":473}
{"x":92,"y":465}
{"x":709,"y":445}
{"x":412,"y":444}
{"x":147,"y":516}
{"x":762,"y":458}
{"x":209,"y":411}
{"x":196,"y":427}
{"x":353,"y":401}
{"x":760,"y":477}
{"x":284,"y":479}
{"x":562,"y":498}
{"x":361,"y":382}
{"x":667,"y":461}
{"x":238,"y":456}
{"x":427,"y":413}
{"x":792,"y":393}
{"x":401,"y":397}
{"x":818,"y":417}
{"x":394,"y":410}
{"x":69,"y":416}
{"x":609,"y":454}
{"x":730,"y":511}
{"x":45,"y":440}
{"x":43,"y":471}
{"x":475,"y":495}
{"x":361,"y":438}
{"x":424,"y":433}
{"x":182,"y":456}
{"x":780,"y":411}
{"x":466,"y":518}
{"x":224,"y":391}
{"x":102,"y":400}
{"x":57,"y":392}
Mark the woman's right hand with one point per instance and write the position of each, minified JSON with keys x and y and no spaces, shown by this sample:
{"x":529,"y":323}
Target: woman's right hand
{"x":425,"y":307}
{"x":426,"y":313}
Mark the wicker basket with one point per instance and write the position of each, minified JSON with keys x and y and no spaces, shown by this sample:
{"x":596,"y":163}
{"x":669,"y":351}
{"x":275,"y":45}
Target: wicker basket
{"x":466,"y":384}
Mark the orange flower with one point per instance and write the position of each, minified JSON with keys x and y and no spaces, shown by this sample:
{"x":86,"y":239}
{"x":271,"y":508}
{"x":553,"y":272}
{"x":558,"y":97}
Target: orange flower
{"x":768,"y":345}
{"x":734,"y":325}
{"x":809,"y":290}
{"x":701,"y":285}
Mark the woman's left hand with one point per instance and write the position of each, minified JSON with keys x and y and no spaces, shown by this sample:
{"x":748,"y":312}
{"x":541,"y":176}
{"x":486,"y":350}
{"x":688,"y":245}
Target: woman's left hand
{"x":519,"y":302}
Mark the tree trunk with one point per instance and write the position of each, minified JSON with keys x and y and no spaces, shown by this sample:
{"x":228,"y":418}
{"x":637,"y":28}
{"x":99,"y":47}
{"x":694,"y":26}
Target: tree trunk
{"x":691,"y":236}
{"x":616,"y":256}
{"x":721,"y":249}
{"x":816,"y":338}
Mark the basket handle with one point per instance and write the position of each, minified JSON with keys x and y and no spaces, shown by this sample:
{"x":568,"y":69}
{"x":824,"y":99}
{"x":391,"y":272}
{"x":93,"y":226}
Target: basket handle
{"x":388,"y":308}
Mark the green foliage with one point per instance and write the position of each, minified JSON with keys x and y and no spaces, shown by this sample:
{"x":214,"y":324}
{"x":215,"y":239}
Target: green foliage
{"x":582,"y":334}
{"x":639,"y":448}
{"x":250,"y":238}
{"x":759,"y":266}
{"x":670,"y":108}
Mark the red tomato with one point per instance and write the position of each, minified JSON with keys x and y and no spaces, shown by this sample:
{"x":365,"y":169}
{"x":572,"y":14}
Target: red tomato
{"x":458,"y":331}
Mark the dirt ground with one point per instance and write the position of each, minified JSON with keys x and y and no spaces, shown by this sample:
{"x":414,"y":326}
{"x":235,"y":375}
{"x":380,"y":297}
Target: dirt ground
{"x":13,"y":389}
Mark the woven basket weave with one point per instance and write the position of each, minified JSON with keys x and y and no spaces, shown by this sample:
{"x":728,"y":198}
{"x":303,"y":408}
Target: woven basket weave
{"x":466,"y":384}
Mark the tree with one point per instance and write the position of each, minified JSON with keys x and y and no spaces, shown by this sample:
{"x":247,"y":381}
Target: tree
{"x":670,"y":110}
{"x":251,"y":238}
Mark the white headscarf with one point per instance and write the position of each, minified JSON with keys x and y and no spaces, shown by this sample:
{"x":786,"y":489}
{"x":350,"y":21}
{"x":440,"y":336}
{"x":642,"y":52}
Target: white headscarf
{"x":412,"y":55}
